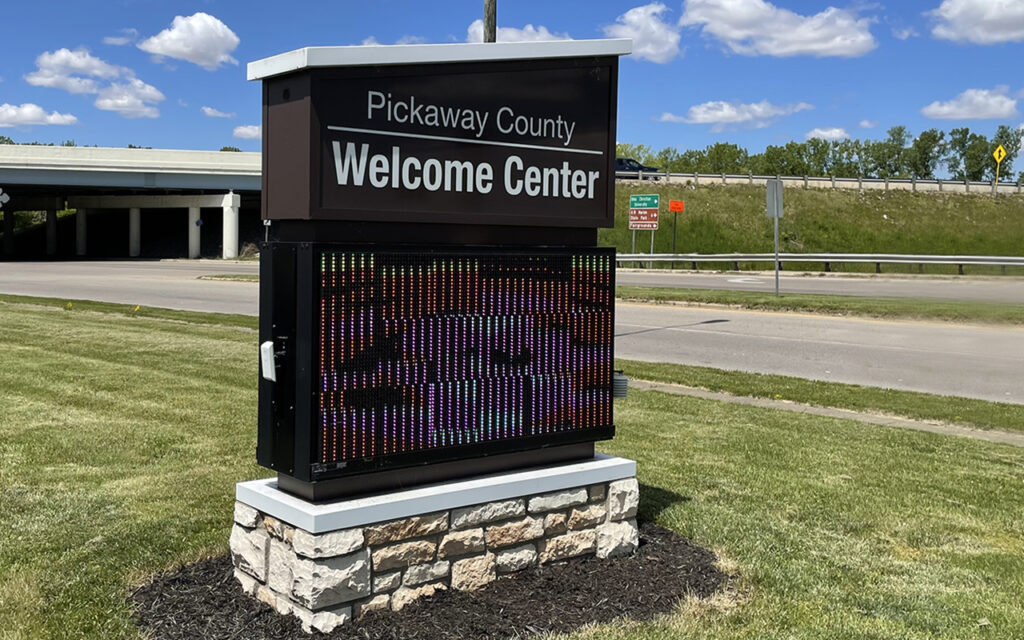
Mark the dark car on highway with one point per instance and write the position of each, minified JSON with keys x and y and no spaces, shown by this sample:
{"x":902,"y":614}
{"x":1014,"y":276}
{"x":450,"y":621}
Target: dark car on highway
{"x":632,"y":166}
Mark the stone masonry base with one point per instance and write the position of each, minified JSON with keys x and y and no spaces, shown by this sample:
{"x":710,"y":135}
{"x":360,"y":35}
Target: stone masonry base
{"x":328,"y":578}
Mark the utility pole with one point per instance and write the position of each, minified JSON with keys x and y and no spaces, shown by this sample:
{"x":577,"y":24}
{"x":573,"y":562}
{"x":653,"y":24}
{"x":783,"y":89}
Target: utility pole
{"x":490,"y":20}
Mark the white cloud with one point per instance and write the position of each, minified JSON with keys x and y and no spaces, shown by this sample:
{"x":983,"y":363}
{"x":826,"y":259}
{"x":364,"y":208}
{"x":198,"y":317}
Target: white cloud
{"x":720,"y":113}
{"x":200,"y":39}
{"x":975,"y":104}
{"x":116,"y":88}
{"x":130,"y":35}
{"x":28,"y":114}
{"x":867,"y":124}
{"x":756,"y":27}
{"x":832,"y":133}
{"x":905,"y":33}
{"x":653,"y":38}
{"x":529,"y":33}
{"x":249,"y":132}
{"x":63,"y":69}
{"x":373,"y":42}
{"x":979,"y":21}
{"x":210,"y":112}
{"x":133,"y":99}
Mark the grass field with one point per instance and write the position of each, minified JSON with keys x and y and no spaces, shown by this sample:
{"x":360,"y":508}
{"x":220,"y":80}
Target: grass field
{"x":121,"y":438}
{"x":969,"y":412}
{"x":907,"y":308}
{"x":722,"y":219}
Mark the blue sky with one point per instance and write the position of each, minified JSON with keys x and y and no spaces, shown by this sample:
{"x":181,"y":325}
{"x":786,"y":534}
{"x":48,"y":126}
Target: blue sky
{"x":753,"y":72}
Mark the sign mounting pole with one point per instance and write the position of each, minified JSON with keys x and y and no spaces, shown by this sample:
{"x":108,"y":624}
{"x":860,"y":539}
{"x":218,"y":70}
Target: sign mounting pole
{"x":999,"y":154}
{"x":773,"y":203}
{"x":490,"y":20}
{"x":776,"y":257}
{"x":675,"y":206}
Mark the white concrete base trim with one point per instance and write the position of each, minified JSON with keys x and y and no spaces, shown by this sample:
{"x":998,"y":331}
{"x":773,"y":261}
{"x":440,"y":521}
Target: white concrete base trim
{"x":263,"y":495}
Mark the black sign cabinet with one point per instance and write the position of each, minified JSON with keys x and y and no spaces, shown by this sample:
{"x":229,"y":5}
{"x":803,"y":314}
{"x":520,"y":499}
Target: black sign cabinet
{"x":433,"y":303}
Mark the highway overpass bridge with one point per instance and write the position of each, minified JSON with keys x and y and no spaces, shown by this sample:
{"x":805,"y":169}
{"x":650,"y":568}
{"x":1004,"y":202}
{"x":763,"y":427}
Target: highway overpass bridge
{"x":197,"y":189}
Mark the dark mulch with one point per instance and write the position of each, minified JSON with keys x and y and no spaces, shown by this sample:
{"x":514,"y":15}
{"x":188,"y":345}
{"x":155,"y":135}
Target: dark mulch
{"x":203,"y":600}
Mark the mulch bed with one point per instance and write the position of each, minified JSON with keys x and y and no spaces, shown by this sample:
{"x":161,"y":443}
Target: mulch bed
{"x":203,"y":600}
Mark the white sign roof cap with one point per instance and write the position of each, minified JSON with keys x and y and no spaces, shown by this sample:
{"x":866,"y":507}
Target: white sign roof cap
{"x":310,"y":57}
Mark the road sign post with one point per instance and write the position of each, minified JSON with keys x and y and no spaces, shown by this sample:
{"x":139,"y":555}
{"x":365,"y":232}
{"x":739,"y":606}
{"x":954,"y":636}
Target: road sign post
{"x":773,"y":203}
{"x":675,"y":206}
{"x":643,"y":214}
{"x":999,"y":154}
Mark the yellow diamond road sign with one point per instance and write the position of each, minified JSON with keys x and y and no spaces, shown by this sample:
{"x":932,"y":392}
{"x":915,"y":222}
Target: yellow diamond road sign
{"x":999,"y":154}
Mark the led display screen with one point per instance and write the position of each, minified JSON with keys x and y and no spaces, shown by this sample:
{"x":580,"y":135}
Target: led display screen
{"x":423,"y":351}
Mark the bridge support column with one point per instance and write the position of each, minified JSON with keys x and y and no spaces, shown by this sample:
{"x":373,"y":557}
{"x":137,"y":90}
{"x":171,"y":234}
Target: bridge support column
{"x":194,"y":229}
{"x":134,"y":232}
{"x":229,"y":204}
{"x":230,"y":209}
{"x":51,"y":232}
{"x":80,"y":231}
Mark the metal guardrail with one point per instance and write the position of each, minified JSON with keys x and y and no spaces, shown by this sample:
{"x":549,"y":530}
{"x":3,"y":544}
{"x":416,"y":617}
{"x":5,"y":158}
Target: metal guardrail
{"x":863,"y":184}
{"x":878,"y":259}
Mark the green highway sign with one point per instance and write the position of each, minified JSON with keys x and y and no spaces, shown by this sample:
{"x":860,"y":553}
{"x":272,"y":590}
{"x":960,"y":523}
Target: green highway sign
{"x":643,"y":212}
{"x":646,"y":201}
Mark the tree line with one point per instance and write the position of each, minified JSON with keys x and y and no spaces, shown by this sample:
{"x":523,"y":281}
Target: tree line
{"x":964,"y":154}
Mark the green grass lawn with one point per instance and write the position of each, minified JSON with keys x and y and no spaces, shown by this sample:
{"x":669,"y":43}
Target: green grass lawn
{"x":121,"y":438}
{"x":120,"y":441}
{"x":911,"y":308}
{"x":840,"y":530}
{"x":969,"y":412}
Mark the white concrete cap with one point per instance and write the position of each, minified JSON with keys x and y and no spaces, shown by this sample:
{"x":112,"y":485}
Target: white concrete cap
{"x":264,"y":495}
{"x":15,"y":156}
{"x":309,"y":57}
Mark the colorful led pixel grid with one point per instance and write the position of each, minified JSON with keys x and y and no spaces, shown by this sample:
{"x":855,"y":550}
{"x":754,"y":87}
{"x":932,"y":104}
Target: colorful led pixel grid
{"x":424,"y":351}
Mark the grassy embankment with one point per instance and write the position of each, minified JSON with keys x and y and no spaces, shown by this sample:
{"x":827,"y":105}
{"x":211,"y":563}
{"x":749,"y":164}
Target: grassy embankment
{"x":121,"y":437}
{"x":723,"y":219}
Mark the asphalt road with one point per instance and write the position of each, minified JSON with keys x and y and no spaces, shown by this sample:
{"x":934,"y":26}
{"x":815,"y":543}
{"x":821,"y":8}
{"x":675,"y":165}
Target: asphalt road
{"x":967,"y":288}
{"x":973,"y":361}
{"x":171,"y":284}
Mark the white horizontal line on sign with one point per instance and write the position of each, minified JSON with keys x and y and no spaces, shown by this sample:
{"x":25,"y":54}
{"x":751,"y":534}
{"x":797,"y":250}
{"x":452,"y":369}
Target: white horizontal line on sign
{"x":492,"y":143}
